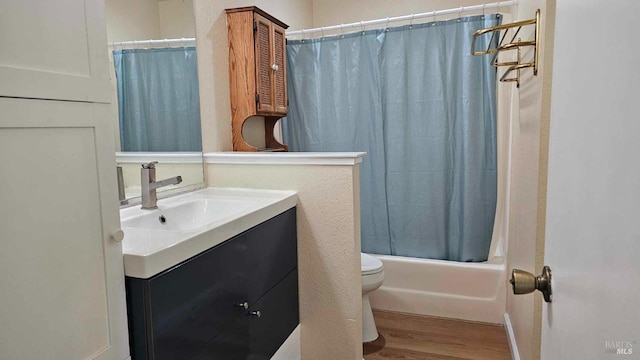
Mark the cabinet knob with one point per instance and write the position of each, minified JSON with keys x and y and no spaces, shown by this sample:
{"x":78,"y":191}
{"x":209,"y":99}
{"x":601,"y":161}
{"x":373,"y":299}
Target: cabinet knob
{"x":117,"y":235}
{"x":244,"y":305}
{"x":275,"y":67}
{"x":257,"y":314}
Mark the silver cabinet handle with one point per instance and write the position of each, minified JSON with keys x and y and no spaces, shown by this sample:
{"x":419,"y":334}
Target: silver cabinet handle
{"x":244,"y":305}
{"x":257,"y":314}
{"x":275,"y":67}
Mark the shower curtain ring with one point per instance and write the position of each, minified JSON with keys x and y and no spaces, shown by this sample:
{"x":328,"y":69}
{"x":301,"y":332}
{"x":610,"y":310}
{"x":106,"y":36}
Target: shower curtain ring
{"x":434,"y":18}
{"x":411,"y":21}
{"x":460,"y":13}
{"x":483,"y":8}
{"x":321,"y":31}
{"x":342,"y":29}
{"x":362,"y":26}
{"x":387,"y":29}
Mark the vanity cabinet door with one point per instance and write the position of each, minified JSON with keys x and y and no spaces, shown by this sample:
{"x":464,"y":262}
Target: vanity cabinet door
{"x":61,"y":273}
{"x":254,"y":337}
{"x":279,"y":316}
{"x":54,"y":49}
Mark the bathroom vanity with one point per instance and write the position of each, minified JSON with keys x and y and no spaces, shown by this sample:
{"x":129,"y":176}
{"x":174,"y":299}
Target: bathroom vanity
{"x":237,"y":299}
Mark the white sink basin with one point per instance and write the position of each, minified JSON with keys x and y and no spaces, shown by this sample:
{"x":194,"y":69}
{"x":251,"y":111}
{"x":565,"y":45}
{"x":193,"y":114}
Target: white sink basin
{"x":186,"y":225}
{"x":188,"y":216}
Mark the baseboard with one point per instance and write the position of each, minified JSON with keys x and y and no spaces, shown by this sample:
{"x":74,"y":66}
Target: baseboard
{"x":512,"y":337}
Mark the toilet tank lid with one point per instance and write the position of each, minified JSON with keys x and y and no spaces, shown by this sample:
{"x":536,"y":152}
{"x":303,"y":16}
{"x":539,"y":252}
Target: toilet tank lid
{"x":370,"y":263}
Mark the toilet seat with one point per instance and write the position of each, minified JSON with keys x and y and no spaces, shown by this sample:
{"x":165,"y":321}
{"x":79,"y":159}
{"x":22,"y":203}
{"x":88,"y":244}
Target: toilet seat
{"x":370,"y":264}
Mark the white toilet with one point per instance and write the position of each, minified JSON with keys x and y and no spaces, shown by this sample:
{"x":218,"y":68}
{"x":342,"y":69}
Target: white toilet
{"x":372,"y":277}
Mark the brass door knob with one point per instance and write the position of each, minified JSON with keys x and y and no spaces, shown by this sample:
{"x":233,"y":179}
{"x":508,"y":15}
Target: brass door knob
{"x":525,"y":282}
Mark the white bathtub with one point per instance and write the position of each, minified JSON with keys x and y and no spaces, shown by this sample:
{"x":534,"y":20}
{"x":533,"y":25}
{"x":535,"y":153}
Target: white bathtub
{"x":469,"y":291}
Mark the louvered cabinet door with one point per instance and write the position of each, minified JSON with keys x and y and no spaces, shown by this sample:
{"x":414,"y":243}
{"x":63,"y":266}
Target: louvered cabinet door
{"x":279,"y":71}
{"x":264,"y":72}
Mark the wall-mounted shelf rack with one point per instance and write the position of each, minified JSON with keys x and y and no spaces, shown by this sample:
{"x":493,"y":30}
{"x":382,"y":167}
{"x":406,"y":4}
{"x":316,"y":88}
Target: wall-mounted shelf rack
{"x":514,"y":44}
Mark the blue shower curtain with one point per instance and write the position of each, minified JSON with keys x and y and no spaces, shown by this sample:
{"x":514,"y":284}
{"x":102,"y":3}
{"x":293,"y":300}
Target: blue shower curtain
{"x":424,"y":110}
{"x":158,"y":99}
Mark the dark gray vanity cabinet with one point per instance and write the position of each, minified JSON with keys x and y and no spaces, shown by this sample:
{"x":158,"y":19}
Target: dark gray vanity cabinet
{"x":237,"y":300}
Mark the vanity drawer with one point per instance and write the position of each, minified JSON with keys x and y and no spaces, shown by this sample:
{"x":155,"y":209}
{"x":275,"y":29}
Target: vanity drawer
{"x":258,"y":338}
{"x":185,"y":307}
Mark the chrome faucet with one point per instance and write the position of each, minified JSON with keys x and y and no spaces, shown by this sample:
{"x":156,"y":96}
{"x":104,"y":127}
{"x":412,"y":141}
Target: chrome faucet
{"x":149,"y":185}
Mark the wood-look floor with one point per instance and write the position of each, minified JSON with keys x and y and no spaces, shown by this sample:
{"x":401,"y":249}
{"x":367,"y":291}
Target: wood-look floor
{"x":412,"y":337}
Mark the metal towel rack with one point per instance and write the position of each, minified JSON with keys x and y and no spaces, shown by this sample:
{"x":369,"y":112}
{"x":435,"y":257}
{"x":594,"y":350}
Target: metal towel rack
{"x":514,"y":44}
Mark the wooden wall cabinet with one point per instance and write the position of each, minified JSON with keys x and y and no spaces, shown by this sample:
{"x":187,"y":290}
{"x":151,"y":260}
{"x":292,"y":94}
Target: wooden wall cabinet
{"x":257,"y":73}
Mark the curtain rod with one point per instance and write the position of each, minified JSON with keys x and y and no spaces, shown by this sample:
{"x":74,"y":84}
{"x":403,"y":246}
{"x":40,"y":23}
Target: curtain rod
{"x":134,"y":43}
{"x":458,"y":10}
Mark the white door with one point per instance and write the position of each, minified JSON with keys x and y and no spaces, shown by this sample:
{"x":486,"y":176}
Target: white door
{"x":54,"y":49}
{"x":61,"y":275}
{"x":593,"y":210}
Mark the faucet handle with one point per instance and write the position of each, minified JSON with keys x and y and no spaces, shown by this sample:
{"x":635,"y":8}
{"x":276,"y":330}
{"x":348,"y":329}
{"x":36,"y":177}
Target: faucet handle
{"x":151,"y":165}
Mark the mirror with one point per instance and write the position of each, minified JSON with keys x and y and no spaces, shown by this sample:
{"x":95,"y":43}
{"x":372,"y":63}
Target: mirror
{"x":155,"y":83}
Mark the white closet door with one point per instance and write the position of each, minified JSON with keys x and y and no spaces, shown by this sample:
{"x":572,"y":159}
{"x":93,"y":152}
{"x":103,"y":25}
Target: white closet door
{"x":61,"y":275}
{"x":54,"y":49}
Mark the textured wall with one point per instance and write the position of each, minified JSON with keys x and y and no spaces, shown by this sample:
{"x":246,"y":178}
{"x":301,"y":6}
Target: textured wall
{"x":213,"y":62}
{"x":176,"y":19}
{"x":132,"y":20}
{"x":149,"y":19}
{"x":325,"y":12}
{"x":328,"y":249}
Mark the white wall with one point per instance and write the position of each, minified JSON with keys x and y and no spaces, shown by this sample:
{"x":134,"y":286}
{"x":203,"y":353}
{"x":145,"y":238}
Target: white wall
{"x":333,"y":12}
{"x":132,"y":20}
{"x":149,"y":19}
{"x":528,"y":179}
{"x":176,"y":19}
{"x":213,"y":60}
{"x":328,"y":249}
